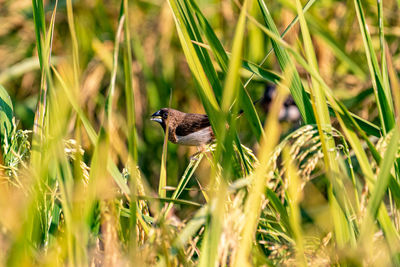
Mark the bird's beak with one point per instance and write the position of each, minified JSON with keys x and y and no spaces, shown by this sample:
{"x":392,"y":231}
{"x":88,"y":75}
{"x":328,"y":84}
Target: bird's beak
{"x":156,"y":117}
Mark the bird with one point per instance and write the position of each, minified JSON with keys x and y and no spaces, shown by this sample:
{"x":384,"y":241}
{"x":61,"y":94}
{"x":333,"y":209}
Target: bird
{"x":192,"y":129}
{"x":289,"y":111}
{"x":189,"y":129}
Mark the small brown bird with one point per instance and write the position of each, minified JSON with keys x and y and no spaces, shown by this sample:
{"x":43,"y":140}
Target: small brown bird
{"x":193,"y":129}
{"x":188,"y":129}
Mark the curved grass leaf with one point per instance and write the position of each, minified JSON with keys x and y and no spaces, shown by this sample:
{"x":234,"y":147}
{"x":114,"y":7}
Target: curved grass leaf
{"x":280,"y":209}
{"x":257,"y":189}
{"x":382,"y":92}
{"x":193,"y":164}
{"x":6,"y":116}
{"x":221,"y":56}
{"x":376,"y":207}
{"x":261,"y":72}
{"x":296,"y":88}
{"x":204,"y":88}
{"x":170,"y":200}
{"x":341,"y":209}
{"x":384,"y":174}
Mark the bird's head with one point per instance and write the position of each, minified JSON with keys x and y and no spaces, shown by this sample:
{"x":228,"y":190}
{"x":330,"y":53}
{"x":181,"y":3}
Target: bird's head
{"x":161,"y":116}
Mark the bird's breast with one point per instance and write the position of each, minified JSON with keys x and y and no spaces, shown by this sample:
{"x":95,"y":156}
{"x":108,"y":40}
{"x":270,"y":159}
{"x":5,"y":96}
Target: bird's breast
{"x":198,"y":138}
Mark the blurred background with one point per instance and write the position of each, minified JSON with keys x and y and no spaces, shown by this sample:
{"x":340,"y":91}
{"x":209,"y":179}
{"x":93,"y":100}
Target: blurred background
{"x":161,"y":74}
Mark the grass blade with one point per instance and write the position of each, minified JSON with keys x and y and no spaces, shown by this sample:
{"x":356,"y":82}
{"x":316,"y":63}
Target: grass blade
{"x":222,"y":58}
{"x":343,"y":230}
{"x":382,"y":92}
{"x":253,"y":203}
{"x":205,"y":91}
{"x":296,"y":89}
{"x":225,"y":151}
{"x":190,"y":169}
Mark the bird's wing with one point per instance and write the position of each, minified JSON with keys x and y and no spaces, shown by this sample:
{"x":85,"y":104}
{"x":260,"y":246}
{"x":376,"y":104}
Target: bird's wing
{"x":192,"y":123}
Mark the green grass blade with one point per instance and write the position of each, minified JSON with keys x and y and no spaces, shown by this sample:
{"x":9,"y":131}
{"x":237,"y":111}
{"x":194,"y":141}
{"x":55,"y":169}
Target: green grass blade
{"x":257,"y":188}
{"x":394,"y":81}
{"x":296,"y":89}
{"x":343,"y":231}
{"x":162,"y":183}
{"x":384,"y":67}
{"x":112,"y":168}
{"x":129,"y":95}
{"x":382,"y":92}
{"x":287,"y":29}
{"x":232,"y":78}
{"x":170,"y":200}
{"x":221,"y":56}
{"x":6,"y":119}
{"x":131,"y":162}
{"x":40,"y":27}
{"x":203,"y":56}
{"x":45,"y":47}
{"x":262,"y":73}
{"x":294,"y":198}
{"x":111,"y":87}
{"x":366,"y":126}
{"x":384,"y":174}
{"x":74,"y":39}
{"x":376,"y":207}
{"x":225,"y":151}
{"x":212,"y":38}
{"x":280,"y":209}
{"x":190,"y":169}
{"x":204,"y":88}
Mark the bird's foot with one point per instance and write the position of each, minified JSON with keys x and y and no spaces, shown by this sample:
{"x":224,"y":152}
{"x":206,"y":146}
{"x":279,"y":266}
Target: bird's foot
{"x":196,"y":156}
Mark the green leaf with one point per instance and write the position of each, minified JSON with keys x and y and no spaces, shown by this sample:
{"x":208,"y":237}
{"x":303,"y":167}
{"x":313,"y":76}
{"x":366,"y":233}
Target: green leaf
{"x":261,"y":72}
{"x":6,"y":115}
{"x":296,"y":88}
{"x":280,"y":209}
{"x":382,"y":91}
{"x":221,"y":56}
{"x":384,"y":174}
{"x":193,"y":164}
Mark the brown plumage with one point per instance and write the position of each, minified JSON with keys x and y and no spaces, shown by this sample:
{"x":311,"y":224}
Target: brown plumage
{"x":185,"y":128}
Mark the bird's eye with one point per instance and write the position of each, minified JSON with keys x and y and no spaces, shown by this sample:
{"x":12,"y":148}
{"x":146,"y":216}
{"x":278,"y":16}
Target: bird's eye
{"x":165,"y":116}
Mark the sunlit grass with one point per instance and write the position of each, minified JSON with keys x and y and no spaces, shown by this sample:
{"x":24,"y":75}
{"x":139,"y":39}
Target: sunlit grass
{"x":87,"y":179}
